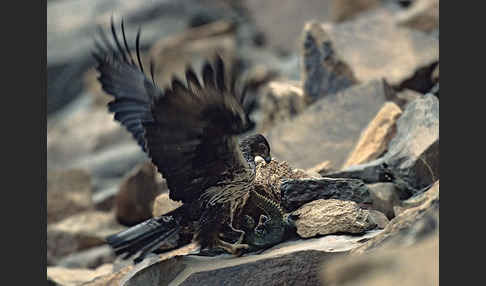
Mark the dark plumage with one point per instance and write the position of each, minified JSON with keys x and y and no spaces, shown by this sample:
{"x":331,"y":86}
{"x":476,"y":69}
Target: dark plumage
{"x":190,"y":133}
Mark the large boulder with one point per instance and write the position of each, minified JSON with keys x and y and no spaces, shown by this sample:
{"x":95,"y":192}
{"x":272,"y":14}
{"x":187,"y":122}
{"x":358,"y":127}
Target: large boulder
{"x":329,"y":128}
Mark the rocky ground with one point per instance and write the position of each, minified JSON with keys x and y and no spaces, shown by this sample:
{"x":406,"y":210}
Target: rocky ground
{"x":347,"y":94}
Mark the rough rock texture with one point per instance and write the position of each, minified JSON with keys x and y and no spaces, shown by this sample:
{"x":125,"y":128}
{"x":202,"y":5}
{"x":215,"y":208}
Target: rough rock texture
{"x":343,"y":10}
{"x":392,"y":52}
{"x":137,"y":193}
{"x":68,"y":193}
{"x":89,"y":258}
{"x":378,"y":218}
{"x":412,"y":225}
{"x":412,"y":160}
{"x":415,"y":265}
{"x":163,"y":204}
{"x":374,"y":140}
{"x":321,"y":168}
{"x":384,"y":197}
{"x":329,"y":128}
{"x":75,"y":276}
{"x":79,"y":232}
{"x":323,"y":69}
{"x":293,"y":263}
{"x":283,"y":35}
{"x":422,"y":15}
{"x":280,"y":101}
{"x":321,"y":217}
{"x":297,"y":192}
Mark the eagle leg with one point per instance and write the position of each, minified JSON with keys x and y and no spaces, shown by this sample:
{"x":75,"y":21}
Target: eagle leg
{"x":233,"y":248}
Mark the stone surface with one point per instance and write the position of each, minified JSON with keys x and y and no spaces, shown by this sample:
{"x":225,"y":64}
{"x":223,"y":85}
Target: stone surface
{"x":134,"y":201}
{"x":79,"y":232}
{"x":384,"y":197}
{"x":76,"y":276}
{"x":294,"y":261}
{"x":297,"y":192}
{"x":415,"y":265}
{"x":321,"y":168}
{"x":392,"y":52}
{"x":90,"y":258}
{"x":321,"y":217}
{"x":329,"y":128}
{"x":283,"y":35}
{"x":378,"y":218}
{"x":163,"y":204}
{"x":280,"y":101}
{"x":68,"y":193}
{"x":344,"y":10}
{"x":323,"y":69}
{"x":412,"y":159}
{"x":422,"y":15}
{"x":415,"y":223}
{"x":374,"y":140}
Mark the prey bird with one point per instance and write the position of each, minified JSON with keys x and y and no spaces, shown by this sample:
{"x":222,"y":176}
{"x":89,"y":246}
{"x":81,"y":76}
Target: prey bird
{"x":191,"y":134}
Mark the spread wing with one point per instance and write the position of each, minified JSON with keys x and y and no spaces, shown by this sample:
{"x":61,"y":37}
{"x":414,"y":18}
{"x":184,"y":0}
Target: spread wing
{"x":189,"y":131}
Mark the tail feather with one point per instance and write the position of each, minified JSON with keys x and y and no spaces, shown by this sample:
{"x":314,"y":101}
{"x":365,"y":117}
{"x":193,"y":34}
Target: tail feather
{"x":145,"y":237}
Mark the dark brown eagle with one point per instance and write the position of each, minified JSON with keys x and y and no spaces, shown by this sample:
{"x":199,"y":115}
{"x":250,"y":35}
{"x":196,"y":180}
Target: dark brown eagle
{"x":190,"y":132}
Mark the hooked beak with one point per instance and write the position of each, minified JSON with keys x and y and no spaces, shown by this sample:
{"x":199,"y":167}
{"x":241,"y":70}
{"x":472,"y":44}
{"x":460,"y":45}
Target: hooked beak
{"x":268,"y":159}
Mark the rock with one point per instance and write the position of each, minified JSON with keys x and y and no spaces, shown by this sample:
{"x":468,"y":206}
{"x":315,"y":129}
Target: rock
{"x":135,"y":199}
{"x":321,"y":168}
{"x":79,"y":232}
{"x":416,"y":265}
{"x":104,"y":200}
{"x":90,"y":258}
{"x":329,"y":128}
{"x":113,"y":162}
{"x":406,"y":96}
{"x":412,"y":159}
{"x":76,"y":276}
{"x":392,"y":52}
{"x":435,"y":74}
{"x":293,"y":262}
{"x":410,"y":226}
{"x":280,"y":101}
{"x":163,"y":204}
{"x":269,"y":17}
{"x":82,"y":133}
{"x":324,"y":72}
{"x":172,"y":54}
{"x":374,"y":140}
{"x":297,"y":192}
{"x":385,"y":197}
{"x":344,"y":10}
{"x":378,"y":218}
{"x":423,"y":15}
{"x":321,"y":217}
{"x":68,"y":193}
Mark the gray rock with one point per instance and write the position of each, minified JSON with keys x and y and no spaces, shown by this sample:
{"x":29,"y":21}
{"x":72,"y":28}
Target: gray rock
{"x":322,"y":217}
{"x":329,"y":128}
{"x":292,"y":262}
{"x":90,"y":258}
{"x":297,"y":192}
{"x":68,"y":192}
{"x":412,"y":159}
{"x":384,"y":197}
{"x":374,"y":46}
{"x":324,"y":72}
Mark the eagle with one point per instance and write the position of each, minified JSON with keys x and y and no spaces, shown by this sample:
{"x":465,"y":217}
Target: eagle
{"x":191,"y":132}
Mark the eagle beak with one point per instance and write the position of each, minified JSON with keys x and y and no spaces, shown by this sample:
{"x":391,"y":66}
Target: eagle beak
{"x":268,"y":159}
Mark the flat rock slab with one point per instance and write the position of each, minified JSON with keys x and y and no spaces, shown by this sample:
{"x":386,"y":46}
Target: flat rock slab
{"x":329,"y":128}
{"x":75,"y":276}
{"x":321,"y":217}
{"x":295,"y":261}
{"x":297,"y":192}
{"x":412,"y":159}
{"x":375,"y":47}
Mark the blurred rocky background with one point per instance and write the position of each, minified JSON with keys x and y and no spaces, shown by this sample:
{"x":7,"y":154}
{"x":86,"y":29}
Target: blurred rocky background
{"x":347,"y":93}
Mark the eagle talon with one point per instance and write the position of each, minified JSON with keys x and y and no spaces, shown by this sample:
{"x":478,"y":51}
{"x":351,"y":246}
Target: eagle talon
{"x":233,"y":248}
